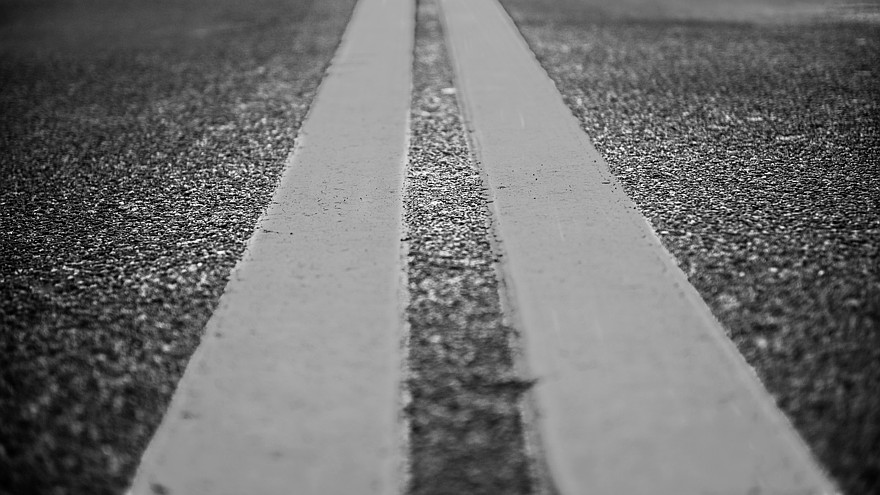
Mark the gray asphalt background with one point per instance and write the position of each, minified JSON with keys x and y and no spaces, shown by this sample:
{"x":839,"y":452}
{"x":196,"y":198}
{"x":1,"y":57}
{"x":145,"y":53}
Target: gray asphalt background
{"x":140,"y":142}
{"x":748,"y":132}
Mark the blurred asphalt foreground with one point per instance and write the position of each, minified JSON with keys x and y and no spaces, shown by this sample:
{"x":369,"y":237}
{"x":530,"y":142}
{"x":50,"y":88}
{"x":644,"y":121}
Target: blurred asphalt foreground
{"x":748,"y":133}
{"x":141,"y":140}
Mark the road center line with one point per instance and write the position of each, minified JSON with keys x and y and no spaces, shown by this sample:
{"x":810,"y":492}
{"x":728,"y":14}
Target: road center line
{"x":639,"y":391}
{"x":294,"y":388}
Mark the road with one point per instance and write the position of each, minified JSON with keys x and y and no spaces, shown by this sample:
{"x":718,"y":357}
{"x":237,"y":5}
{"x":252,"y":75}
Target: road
{"x":141,"y":144}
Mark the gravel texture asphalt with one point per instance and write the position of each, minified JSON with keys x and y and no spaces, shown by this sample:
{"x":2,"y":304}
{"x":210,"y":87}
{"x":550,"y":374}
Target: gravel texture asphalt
{"x":749,"y":135}
{"x":464,"y":406}
{"x":141,"y":141}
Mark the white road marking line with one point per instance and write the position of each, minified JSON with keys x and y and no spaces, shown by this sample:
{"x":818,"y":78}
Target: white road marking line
{"x":294,"y":388}
{"x":641,"y":392}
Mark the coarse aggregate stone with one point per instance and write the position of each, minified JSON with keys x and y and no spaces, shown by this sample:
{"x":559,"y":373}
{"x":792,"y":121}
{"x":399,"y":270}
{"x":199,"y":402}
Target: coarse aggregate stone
{"x":752,"y":144}
{"x":463,"y":411}
{"x":140,"y":142}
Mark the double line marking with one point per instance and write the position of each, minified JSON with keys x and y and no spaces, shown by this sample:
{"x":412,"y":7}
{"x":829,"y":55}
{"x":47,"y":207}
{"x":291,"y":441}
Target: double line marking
{"x":294,"y":388}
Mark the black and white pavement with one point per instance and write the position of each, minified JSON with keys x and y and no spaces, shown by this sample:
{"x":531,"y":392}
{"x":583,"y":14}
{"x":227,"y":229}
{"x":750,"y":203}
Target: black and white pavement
{"x":472,"y":305}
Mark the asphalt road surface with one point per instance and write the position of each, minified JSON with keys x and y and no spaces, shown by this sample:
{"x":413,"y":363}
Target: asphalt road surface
{"x":748,"y":133}
{"x":142,"y":140}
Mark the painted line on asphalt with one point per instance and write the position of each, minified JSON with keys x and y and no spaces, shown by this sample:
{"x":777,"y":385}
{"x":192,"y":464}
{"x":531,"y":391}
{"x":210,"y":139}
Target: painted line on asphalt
{"x":294,"y":387}
{"x":639,"y":390}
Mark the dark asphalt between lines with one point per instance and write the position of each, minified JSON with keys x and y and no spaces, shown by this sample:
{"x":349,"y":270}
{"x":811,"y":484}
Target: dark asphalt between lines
{"x":141,"y":141}
{"x":464,"y":410}
{"x":748,"y":134}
